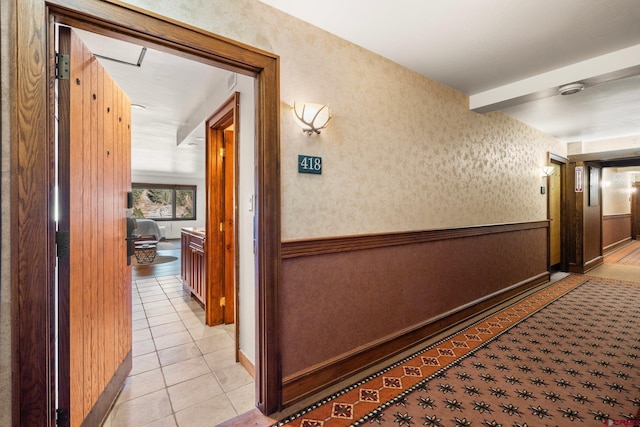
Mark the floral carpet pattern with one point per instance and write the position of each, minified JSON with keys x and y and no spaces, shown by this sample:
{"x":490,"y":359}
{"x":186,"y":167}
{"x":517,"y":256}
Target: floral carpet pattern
{"x":568,"y":355}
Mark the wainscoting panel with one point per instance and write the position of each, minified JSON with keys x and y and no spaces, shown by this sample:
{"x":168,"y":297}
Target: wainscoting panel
{"x":616,"y":231}
{"x":346,"y":303}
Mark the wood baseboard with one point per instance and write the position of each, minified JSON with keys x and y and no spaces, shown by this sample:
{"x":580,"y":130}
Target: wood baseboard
{"x":246,"y":364}
{"x":615,"y":246}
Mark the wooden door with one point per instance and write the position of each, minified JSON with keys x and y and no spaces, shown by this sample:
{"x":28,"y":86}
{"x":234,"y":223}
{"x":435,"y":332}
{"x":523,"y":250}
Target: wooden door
{"x":94,"y":290}
{"x":230,"y":283}
{"x":220,"y":242}
{"x":555,"y":222}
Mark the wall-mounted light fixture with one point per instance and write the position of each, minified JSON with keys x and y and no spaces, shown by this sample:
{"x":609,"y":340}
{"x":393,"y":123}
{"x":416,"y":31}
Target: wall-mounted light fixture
{"x":547,"y":170}
{"x":311,"y":117}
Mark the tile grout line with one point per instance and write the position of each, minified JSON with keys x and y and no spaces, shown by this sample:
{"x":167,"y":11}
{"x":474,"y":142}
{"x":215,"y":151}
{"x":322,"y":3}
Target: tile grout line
{"x":168,"y":287}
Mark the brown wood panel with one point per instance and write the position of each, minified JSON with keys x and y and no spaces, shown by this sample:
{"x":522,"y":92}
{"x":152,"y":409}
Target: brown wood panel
{"x":616,"y":230}
{"x":329,"y":245}
{"x":123,"y":159}
{"x":76,"y":228}
{"x":585,"y":222}
{"x":64,"y":155}
{"x":347,"y":309}
{"x":230,"y":255}
{"x":305,"y":383}
{"x":220,"y":239}
{"x":214,"y":239}
{"x":109,"y":215}
{"x":194,"y":264}
{"x":82,"y":196}
{"x":97,"y":180}
{"x":99,"y":344}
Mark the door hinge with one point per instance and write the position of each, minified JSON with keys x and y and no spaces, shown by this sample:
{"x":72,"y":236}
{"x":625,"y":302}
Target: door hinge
{"x":222,"y":152}
{"x":222,"y":227}
{"x":223,"y":301}
{"x":62,"y":417}
{"x":62,"y":243}
{"x":62,"y":66}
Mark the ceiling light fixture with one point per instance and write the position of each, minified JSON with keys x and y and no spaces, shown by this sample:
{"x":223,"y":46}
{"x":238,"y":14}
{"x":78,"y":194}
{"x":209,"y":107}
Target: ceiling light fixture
{"x":571,"y":88}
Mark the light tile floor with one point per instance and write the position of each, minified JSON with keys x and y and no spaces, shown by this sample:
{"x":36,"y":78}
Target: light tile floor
{"x":184,"y":373}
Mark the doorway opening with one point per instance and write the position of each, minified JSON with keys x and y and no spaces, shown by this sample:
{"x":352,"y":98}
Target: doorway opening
{"x":158,"y":305}
{"x":34,"y":382}
{"x":556,"y":213}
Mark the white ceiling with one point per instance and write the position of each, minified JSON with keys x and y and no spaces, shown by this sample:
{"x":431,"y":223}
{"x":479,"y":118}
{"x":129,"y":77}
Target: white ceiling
{"x":505,"y":54}
{"x":168,"y":134}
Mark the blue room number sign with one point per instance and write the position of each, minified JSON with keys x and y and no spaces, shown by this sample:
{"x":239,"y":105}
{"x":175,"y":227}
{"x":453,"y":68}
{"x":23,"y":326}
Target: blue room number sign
{"x":309,"y":164}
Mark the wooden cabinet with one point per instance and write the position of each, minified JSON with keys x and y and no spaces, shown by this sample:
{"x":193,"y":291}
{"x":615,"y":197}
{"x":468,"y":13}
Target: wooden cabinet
{"x":193,"y":263}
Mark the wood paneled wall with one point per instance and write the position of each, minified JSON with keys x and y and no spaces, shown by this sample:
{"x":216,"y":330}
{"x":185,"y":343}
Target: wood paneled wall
{"x":350,"y":302}
{"x":616,"y":231}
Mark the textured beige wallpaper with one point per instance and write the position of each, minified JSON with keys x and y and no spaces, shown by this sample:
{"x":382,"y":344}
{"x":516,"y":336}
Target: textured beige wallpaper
{"x":402,"y":152}
{"x":615,"y":192}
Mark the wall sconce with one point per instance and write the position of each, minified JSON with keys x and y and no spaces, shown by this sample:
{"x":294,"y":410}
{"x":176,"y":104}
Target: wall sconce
{"x":547,"y":171}
{"x":311,"y":117}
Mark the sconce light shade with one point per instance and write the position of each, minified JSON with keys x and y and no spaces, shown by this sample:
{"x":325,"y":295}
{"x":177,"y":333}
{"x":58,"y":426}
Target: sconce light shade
{"x":311,"y":117}
{"x":547,"y":170}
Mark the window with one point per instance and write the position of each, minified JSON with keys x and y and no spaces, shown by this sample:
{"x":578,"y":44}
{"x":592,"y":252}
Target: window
{"x":164,"y":202}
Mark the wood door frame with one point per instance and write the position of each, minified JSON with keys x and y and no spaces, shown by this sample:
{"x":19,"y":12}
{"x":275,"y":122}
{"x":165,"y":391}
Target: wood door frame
{"x":562,"y":162}
{"x":216,"y":166}
{"x":32,"y":125}
{"x":635,"y":220}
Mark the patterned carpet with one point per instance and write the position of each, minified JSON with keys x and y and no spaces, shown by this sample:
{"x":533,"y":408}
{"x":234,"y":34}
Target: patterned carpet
{"x":568,"y":355}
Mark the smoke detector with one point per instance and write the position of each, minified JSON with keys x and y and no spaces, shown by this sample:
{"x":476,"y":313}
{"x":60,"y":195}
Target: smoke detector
{"x":571,"y":88}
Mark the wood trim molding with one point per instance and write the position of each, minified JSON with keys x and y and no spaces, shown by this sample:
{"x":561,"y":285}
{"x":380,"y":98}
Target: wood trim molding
{"x":246,"y":364}
{"x":614,"y":246}
{"x":32,"y":249}
{"x":616,"y":216}
{"x":32,"y":243}
{"x":301,"y":385}
{"x":299,"y":248}
{"x":591,"y":264}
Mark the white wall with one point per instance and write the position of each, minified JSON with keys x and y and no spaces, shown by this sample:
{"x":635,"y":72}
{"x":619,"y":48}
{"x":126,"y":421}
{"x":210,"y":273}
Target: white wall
{"x":622,"y":143}
{"x":616,"y":199}
{"x":246,"y":192}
